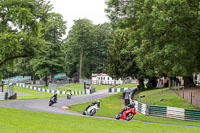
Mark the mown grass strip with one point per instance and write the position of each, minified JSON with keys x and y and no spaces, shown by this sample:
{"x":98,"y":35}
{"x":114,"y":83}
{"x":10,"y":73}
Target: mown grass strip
{"x":25,"y":121}
{"x":35,"y":94}
{"x":79,"y":87}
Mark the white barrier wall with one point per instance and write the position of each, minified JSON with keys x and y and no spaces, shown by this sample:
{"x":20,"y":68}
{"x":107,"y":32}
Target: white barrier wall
{"x":52,"y":91}
{"x":173,"y":112}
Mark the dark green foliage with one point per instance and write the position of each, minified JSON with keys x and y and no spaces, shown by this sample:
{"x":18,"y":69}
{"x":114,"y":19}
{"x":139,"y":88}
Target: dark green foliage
{"x":120,"y":61}
{"x":51,"y":58}
{"x":86,"y":45}
{"x":164,"y":35}
{"x":19,"y":28}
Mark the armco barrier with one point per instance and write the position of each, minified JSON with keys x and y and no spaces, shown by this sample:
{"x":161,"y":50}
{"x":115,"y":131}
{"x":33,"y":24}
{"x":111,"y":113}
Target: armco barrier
{"x":141,"y":107}
{"x":192,"y":115}
{"x":168,"y":112}
{"x":118,"y":89}
{"x":157,"y":110}
{"x":87,"y":91}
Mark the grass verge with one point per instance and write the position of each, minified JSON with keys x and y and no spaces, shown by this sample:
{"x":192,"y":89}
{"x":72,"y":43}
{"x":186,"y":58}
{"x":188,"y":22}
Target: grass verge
{"x":126,"y":85}
{"x":35,"y":94}
{"x":79,"y":87}
{"x":25,"y":121}
{"x":164,"y":97}
{"x":110,"y":106}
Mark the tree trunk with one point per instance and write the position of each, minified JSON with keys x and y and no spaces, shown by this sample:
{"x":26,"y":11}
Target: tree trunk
{"x":34,"y":81}
{"x":188,"y":81}
{"x":46,"y":79}
{"x":52,"y":78}
{"x":170,"y":83}
{"x":141,"y":84}
{"x":81,"y":56}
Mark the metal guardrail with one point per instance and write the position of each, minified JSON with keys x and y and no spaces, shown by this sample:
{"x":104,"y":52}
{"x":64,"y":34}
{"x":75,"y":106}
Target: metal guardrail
{"x":119,"y":89}
{"x":168,"y":112}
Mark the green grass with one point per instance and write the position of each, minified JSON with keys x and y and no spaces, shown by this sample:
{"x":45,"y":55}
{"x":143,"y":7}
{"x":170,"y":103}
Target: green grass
{"x":110,"y":106}
{"x":101,"y":87}
{"x":79,"y":87}
{"x":170,"y":98}
{"x":126,"y":85}
{"x":35,"y":94}
{"x":25,"y":121}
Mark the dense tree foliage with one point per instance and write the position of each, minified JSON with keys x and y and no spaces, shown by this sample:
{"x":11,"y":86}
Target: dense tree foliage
{"x":120,"y":61}
{"x":163,"y":34}
{"x":85,"y":47}
{"x":20,"y":28}
{"x":51,"y":58}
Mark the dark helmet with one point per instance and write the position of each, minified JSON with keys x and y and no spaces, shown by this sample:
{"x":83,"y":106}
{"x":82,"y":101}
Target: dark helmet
{"x":98,"y":103}
{"x":132,"y":105}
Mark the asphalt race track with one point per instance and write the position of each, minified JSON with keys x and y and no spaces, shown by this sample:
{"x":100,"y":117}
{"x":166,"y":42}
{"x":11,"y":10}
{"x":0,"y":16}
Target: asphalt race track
{"x":43,"y":104}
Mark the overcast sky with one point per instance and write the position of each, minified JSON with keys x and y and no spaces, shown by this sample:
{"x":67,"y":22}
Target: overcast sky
{"x":75,"y":9}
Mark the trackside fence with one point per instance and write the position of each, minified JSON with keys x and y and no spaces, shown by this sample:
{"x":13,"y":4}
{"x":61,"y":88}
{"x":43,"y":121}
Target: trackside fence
{"x":119,"y":89}
{"x":86,"y":91}
{"x":168,"y":112}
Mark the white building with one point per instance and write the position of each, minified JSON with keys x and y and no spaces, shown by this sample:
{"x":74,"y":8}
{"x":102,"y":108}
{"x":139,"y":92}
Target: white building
{"x":102,"y":78}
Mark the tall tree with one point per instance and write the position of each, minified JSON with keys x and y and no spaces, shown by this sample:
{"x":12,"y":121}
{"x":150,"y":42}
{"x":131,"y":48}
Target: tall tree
{"x":78,"y":44}
{"x":86,"y":48}
{"x":50,"y":60}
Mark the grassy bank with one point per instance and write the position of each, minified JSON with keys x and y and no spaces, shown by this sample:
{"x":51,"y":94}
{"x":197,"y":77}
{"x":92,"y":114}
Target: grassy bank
{"x":126,"y":85}
{"x":164,"y":97}
{"x":35,"y":94}
{"x":110,"y":106}
{"x":24,"y":121}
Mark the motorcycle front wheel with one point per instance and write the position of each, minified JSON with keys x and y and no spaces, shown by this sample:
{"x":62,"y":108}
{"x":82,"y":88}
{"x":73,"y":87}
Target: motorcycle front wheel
{"x":84,"y":113}
{"x":68,"y":97}
{"x":129,"y":116}
{"x":118,"y":116}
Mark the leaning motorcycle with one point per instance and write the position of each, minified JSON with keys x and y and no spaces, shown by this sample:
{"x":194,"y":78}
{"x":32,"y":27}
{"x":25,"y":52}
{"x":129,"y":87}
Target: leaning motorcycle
{"x":92,"y":108}
{"x":126,"y":113}
{"x":53,"y":99}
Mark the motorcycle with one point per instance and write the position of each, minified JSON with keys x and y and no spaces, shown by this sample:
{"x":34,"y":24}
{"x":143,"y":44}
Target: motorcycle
{"x":69,"y":94}
{"x":127,"y":113}
{"x":53,"y":99}
{"x":92,"y":108}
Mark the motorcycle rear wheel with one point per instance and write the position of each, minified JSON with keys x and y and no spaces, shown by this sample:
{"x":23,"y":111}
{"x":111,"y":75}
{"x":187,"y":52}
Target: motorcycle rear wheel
{"x":129,"y":116}
{"x":50,"y":103}
{"x":92,"y":112}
